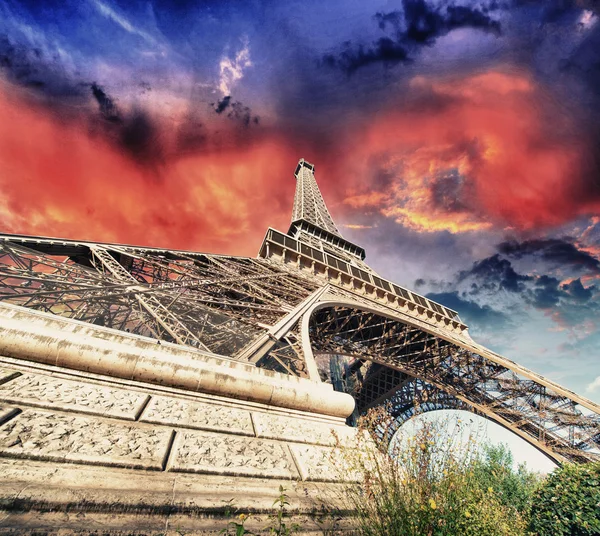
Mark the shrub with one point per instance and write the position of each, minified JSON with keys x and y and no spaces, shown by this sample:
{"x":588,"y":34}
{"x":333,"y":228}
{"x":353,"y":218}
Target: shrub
{"x":568,"y":502}
{"x":434,"y":485}
{"x":494,"y":468}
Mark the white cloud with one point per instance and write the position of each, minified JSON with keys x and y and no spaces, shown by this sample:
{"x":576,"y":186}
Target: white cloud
{"x":232,"y":69}
{"x":111,"y":14}
{"x":594,"y":385}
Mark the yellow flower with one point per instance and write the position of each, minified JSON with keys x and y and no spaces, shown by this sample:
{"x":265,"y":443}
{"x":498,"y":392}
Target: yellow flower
{"x":432,"y":504}
{"x":491,"y":490}
{"x":467,"y":514}
{"x":241,"y":517}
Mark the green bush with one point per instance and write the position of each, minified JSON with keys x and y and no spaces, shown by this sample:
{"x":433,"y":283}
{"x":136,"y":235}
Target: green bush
{"x":568,"y":502}
{"x":494,"y":468}
{"x":434,"y":485}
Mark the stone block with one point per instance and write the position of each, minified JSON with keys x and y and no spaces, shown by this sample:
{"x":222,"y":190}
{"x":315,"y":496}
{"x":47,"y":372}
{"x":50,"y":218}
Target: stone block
{"x":67,"y":395}
{"x":326,"y":464}
{"x":272,"y":426}
{"x":201,"y":452}
{"x":6,"y":413}
{"x":42,"y":435}
{"x":7,"y":375}
{"x":191,"y":414}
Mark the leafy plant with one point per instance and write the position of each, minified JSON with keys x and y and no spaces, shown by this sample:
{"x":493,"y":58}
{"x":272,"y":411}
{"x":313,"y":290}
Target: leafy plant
{"x":493,"y":467}
{"x":568,"y":502}
{"x":280,"y":527}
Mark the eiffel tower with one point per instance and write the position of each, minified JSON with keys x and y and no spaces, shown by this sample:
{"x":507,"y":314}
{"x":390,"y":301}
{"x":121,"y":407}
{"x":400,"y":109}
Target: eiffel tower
{"x":306,"y":327}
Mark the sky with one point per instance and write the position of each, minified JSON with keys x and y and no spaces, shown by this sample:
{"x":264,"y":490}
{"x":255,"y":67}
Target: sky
{"x":457,"y":141}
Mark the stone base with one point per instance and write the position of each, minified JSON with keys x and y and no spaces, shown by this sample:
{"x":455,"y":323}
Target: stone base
{"x":91,"y":454}
{"x":40,"y":497}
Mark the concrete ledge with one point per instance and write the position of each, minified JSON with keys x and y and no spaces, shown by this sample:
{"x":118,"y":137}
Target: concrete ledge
{"x":53,"y":340}
{"x":38,"y":496}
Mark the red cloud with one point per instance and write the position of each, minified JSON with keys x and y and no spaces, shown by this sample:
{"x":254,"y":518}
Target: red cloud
{"x":486,"y":150}
{"x":58,"y":179}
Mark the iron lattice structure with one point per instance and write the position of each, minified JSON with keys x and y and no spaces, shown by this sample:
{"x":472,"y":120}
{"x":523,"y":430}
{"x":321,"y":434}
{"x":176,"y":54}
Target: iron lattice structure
{"x":307,"y":298}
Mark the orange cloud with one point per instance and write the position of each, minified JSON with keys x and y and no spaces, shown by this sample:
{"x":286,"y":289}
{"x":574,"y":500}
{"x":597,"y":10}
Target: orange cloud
{"x":486,"y":150}
{"x":58,"y":179}
{"x":469,"y":154}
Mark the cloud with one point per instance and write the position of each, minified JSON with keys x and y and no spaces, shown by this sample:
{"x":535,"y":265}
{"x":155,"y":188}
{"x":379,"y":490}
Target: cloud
{"x":577,"y":292}
{"x":236,"y":110}
{"x":357,"y":226}
{"x":470,"y":311}
{"x":419,"y":24}
{"x":594,"y":385}
{"x":108,"y":12}
{"x":139,"y":137}
{"x":212,"y":200}
{"x":556,"y":250}
{"x":231,"y":70}
{"x":37,"y":66}
{"x":385,"y":51}
{"x":425,"y":23}
{"x":467,"y":154}
{"x":107,"y":106}
{"x":545,"y":293}
{"x":495,"y":273}
{"x":223,"y":104}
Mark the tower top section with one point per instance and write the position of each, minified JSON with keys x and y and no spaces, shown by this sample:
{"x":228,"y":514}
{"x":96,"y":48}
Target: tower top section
{"x":310,"y":218}
{"x":309,"y":204}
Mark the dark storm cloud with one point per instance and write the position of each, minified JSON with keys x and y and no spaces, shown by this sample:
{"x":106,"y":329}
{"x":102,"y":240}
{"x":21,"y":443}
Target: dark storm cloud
{"x":448,"y":191}
{"x":139,"y":137}
{"x":540,"y":291}
{"x":108,"y":109}
{"x":33,"y":68}
{"x":577,"y":292}
{"x":136,"y":134}
{"x":425,"y":23}
{"x":236,"y":110}
{"x":495,"y":273}
{"x":545,"y":293}
{"x":223,"y":104}
{"x":555,"y":250}
{"x":385,"y":50}
{"x":419,"y":24}
{"x":571,"y":304}
{"x":471,"y":312}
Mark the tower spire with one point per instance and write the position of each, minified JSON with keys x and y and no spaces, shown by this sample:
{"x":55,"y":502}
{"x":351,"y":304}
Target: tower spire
{"x":311,"y":220}
{"x":309,"y":205}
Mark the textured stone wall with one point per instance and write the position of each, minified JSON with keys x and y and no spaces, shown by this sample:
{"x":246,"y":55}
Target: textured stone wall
{"x":55,"y":419}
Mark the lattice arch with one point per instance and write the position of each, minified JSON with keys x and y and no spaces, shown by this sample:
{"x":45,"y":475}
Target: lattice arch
{"x":394,"y":358}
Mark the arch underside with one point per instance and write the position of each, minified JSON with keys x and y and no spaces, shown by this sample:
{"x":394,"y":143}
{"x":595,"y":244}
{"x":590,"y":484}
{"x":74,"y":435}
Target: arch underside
{"x":410,"y":370}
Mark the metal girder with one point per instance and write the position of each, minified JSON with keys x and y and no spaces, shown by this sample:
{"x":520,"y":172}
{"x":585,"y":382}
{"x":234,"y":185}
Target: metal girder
{"x":169,"y":322}
{"x":532,"y":409}
{"x":208,"y":302}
